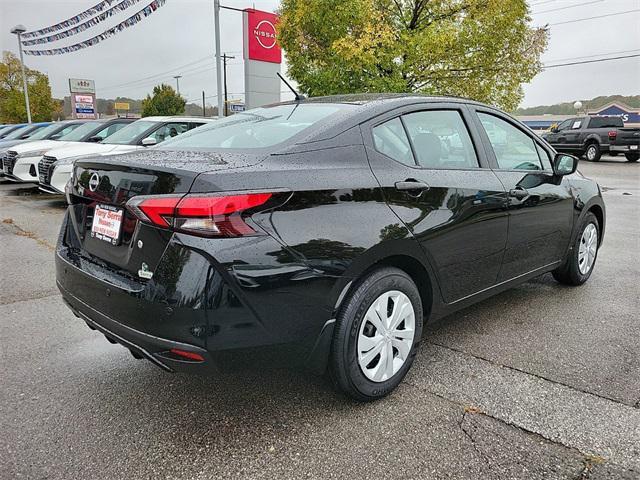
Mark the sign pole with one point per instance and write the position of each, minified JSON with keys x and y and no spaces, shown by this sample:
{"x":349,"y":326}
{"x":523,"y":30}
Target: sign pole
{"x":216,"y":21}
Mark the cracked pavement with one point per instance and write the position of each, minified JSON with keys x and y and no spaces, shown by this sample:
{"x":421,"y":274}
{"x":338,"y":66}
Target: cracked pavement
{"x":540,"y":382}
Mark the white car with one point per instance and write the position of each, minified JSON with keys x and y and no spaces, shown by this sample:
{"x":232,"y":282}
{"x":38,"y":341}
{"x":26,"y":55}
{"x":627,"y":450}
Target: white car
{"x":55,"y":167}
{"x":20,"y":164}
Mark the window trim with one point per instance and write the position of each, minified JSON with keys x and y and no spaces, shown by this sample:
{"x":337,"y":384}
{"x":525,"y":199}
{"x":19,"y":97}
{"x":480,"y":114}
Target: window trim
{"x":515,"y":124}
{"x":406,"y":134}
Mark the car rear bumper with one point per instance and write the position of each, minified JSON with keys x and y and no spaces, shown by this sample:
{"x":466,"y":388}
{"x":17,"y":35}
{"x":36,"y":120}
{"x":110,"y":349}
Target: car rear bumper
{"x":624,"y":148}
{"x":141,"y":345}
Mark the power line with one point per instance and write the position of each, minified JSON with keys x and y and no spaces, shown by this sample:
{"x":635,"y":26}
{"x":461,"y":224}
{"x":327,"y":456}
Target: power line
{"x":541,"y":3}
{"x":592,"y":61}
{"x":568,"y":6}
{"x":593,"y":18}
{"x":592,"y":56}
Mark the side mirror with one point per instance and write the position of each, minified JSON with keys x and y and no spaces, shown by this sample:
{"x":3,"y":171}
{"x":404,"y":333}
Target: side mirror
{"x":95,"y":139}
{"x":564,"y":164}
{"x":149,"y":141}
{"x":24,"y":137}
{"x":55,"y":137}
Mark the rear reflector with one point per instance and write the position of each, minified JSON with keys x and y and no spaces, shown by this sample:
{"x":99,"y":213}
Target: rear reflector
{"x":194,"y":357}
{"x":205,"y":215}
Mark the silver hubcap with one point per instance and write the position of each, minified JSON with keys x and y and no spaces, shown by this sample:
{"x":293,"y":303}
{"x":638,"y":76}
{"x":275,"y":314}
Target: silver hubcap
{"x":588,"y":248}
{"x":591,"y":153}
{"x":386,"y":336}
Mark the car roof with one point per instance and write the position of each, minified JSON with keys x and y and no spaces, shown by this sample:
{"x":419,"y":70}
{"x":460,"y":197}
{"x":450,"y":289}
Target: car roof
{"x":177,"y":118}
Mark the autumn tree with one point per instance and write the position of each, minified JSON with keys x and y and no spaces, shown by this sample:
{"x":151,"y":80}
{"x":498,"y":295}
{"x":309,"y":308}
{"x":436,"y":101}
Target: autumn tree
{"x":480,"y":49}
{"x":165,"y":101}
{"x":12,"y":105}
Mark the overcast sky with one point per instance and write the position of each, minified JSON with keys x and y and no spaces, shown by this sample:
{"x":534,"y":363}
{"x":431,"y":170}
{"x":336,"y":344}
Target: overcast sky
{"x":178,"y":40}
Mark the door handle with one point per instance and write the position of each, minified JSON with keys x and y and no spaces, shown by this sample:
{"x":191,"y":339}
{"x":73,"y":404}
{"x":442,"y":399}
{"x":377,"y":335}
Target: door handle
{"x":412,"y":186}
{"x":518,"y":193}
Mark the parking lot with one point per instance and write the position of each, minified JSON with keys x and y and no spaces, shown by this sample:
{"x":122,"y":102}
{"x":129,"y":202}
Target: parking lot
{"x":542,"y":381}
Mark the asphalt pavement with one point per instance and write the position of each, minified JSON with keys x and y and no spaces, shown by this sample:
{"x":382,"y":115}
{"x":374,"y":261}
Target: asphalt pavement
{"x":540,"y":382}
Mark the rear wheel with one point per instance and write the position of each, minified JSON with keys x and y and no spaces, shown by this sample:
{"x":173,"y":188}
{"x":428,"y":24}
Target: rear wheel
{"x":581,"y":259}
{"x":632,"y":156}
{"x":377,"y":334}
{"x":592,"y":152}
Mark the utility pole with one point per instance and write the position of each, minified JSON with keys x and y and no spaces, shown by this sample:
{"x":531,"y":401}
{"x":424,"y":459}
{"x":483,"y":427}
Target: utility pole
{"x":204,"y":110}
{"x":19,"y":30}
{"x":177,"y":77}
{"x":216,"y":21}
{"x":226,"y":57}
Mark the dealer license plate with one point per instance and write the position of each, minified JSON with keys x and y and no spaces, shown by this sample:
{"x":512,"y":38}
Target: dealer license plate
{"x":633,"y":147}
{"x":107,"y":223}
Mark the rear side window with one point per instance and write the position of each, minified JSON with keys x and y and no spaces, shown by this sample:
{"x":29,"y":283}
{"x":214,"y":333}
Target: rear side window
{"x":605,"y":122}
{"x":441,"y":139}
{"x":514,"y":149}
{"x":391,"y":140}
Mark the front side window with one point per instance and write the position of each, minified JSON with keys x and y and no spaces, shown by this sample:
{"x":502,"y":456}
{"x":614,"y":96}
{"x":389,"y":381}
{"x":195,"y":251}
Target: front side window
{"x":440,"y":139}
{"x":110,"y":130}
{"x":169,"y":130}
{"x":391,"y":140}
{"x":513,"y":148}
{"x":79,"y":134}
{"x":129,"y":133}
{"x":256,"y":128}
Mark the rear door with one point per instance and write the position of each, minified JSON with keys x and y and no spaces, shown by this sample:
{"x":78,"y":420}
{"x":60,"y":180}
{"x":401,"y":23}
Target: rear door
{"x":437,"y":181}
{"x":540,"y":204}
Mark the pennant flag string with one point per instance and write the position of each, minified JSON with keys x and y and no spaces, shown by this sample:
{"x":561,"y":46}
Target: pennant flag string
{"x":132,"y":20}
{"x":71,"y":21}
{"x":122,"y":6}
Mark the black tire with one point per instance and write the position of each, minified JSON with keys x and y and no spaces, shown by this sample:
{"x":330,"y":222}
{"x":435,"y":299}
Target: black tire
{"x":592,"y":152}
{"x":344,"y":368}
{"x":569,"y":272}
{"x":632,"y":157}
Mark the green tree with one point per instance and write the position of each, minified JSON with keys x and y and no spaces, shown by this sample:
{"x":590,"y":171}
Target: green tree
{"x":480,"y":49}
{"x":165,"y":101}
{"x":12,"y":107}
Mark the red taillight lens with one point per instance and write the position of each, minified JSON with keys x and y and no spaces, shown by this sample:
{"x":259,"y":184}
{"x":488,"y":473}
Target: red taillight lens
{"x":207,"y":215}
{"x":194,"y":357}
{"x":613,"y":134}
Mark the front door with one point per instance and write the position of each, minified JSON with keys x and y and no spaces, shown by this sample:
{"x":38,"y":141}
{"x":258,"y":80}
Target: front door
{"x":540,"y":204}
{"x":436,"y":180}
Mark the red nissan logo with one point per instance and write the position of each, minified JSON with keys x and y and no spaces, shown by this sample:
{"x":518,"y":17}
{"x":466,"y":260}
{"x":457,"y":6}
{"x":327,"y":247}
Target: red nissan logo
{"x":265,"y":34}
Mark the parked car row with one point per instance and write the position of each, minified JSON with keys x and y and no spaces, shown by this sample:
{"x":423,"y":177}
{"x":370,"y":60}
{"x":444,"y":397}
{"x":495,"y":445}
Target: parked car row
{"x":332,"y":227}
{"x":44,"y":153}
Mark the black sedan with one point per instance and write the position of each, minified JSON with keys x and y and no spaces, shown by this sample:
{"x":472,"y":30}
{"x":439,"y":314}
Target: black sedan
{"x":337,"y":225}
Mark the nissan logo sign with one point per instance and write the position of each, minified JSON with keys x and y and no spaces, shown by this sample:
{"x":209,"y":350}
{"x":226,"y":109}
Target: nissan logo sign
{"x":265,"y":34}
{"x":94,"y":181}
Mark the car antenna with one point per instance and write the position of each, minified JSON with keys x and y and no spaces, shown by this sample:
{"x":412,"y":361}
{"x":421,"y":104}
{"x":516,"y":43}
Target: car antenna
{"x":299,"y":97}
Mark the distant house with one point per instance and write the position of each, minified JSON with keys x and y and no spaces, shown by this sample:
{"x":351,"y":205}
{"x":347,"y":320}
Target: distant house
{"x":630,"y":116}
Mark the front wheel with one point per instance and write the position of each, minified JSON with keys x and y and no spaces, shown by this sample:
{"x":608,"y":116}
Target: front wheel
{"x":592,"y":152}
{"x":377,"y":334}
{"x":581,"y":259}
{"x":632,"y":156}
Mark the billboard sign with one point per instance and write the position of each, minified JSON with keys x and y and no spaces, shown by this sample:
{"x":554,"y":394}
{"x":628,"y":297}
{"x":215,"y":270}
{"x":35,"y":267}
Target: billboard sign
{"x":260,"y":38}
{"x":121,"y":105}
{"x":78,"y":85}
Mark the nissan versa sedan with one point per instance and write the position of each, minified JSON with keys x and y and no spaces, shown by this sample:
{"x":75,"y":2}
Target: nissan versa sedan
{"x":334,"y":225}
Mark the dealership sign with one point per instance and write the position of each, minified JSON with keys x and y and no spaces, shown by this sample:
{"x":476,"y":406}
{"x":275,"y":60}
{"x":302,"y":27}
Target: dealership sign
{"x":83,"y":98}
{"x":626,"y":113}
{"x":78,"y":85}
{"x":262,"y":44}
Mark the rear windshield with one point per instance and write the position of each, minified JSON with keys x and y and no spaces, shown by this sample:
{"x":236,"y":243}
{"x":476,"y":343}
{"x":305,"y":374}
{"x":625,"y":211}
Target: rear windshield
{"x":257,"y":128}
{"x":78,"y":134}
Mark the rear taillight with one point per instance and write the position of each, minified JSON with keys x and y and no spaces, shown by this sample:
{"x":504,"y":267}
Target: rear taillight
{"x":612,"y":135}
{"x":206,"y":215}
